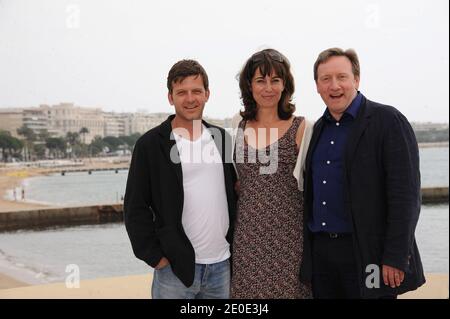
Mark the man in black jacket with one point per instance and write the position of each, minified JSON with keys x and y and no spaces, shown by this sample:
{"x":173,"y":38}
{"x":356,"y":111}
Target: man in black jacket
{"x":362,"y":191}
{"x":180,"y":202}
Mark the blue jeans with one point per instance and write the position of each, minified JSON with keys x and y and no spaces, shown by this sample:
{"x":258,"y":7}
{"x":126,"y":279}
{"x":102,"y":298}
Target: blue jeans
{"x":211,"y":281}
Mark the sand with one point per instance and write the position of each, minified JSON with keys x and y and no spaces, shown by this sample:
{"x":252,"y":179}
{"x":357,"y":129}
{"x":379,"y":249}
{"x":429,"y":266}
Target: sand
{"x":139,"y":287}
{"x":135,"y":287}
{"x":7,"y":282}
{"x":11,"y":178}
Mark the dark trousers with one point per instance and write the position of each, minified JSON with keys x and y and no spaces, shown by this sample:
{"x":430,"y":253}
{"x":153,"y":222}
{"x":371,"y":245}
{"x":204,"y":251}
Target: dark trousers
{"x":335,"y":271}
{"x":334,"y":267}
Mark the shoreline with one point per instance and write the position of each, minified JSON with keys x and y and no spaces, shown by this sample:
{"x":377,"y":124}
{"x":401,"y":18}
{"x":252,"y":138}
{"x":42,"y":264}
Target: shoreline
{"x":8,"y":282}
{"x":12,"y":278}
{"x":12,"y":178}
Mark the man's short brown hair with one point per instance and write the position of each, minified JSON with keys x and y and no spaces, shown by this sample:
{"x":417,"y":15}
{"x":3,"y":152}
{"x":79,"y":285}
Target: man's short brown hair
{"x":184,"y":68}
{"x":350,"y":54}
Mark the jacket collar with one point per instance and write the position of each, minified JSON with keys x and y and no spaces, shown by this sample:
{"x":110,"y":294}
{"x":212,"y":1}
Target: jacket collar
{"x":361,"y":122}
{"x":170,"y":150}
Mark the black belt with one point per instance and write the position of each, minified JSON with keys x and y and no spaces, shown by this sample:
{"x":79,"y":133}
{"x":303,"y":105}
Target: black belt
{"x":332,"y":235}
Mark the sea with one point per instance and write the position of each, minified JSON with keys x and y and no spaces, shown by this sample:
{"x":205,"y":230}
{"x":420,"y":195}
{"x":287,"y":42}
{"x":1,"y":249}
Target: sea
{"x":46,"y":256}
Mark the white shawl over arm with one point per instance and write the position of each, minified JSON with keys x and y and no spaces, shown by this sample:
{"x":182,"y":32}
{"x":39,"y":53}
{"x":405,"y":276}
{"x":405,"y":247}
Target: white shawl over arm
{"x":299,"y":169}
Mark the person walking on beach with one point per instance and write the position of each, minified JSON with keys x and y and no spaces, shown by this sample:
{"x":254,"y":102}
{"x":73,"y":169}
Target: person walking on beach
{"x":267,"y":247}
{"x":362,"y":191}
{"x":180,"y":200}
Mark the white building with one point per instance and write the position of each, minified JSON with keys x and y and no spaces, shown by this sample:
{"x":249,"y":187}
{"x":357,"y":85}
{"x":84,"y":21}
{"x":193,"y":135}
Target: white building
{"x":62,"y":118}
{"x":66,"y":117}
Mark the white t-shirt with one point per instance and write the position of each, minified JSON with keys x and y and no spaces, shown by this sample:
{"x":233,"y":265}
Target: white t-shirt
{"x":205,"y":212}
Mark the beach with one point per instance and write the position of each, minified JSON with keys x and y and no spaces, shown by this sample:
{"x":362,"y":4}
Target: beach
{"x":11,"y":178}
{"x":7,"y":282}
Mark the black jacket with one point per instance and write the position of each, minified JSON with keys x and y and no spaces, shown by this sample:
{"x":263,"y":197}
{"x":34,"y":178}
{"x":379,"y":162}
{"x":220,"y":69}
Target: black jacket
{"x":382,"y":195}
{"x":154,"y":200}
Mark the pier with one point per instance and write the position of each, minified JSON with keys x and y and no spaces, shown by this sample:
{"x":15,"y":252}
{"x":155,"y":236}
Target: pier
{"x":61,"y":216}
{"x":90,"y":170}
{"x":435,"y":195}
{"x":95,"y":214}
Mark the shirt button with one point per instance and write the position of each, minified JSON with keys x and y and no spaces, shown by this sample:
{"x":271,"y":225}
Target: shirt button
{"x":324,"y":203}
{"x":328,"y":162}
{"x":337,"y":124}
{"x":324,"y":182}
{"x":332,"y":142}
{"x":324,"y":224}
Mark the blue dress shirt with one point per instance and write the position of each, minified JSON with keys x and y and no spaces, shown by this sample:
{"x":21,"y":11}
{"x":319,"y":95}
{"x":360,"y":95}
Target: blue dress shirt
{"x":329,"y":214}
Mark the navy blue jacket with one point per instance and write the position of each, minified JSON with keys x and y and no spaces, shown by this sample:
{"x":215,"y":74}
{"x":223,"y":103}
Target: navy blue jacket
{"x":381,"y":194}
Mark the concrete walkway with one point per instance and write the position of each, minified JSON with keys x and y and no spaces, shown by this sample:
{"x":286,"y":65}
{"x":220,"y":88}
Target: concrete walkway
{"x":138,"y":287}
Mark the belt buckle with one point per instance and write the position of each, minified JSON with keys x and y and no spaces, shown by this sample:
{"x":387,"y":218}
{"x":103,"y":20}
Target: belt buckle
{"x":333,"y":235}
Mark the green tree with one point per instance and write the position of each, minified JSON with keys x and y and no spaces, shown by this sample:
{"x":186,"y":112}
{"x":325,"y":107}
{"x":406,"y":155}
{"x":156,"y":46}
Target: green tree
{"x":39,"y":150}
{"x":73,"y":138}
{"x":9,"y":145}
{"x":27,"y":132}
{"x":112,"y":142}
{"x":80,"y":150}
{"x":43,"y":135}
{"x":130,"y":140}
{"x":29,"y":137}
{"x":83,"y":132}
{"x":57,"y":146}
{"x":97,"y":145}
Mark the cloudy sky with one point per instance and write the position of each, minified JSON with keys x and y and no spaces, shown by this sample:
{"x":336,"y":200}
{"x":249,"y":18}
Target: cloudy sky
{"x":115,"y":54}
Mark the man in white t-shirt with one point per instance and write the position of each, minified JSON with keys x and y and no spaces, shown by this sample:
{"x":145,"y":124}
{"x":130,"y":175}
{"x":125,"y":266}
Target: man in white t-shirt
{"x":180,"y":201}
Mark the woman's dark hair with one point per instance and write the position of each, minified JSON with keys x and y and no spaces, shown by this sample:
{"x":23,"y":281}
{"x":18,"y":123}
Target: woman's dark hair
{"x":267,"y":61}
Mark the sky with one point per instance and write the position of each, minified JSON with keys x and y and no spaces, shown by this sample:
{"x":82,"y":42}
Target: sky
{"x":115,"y":54}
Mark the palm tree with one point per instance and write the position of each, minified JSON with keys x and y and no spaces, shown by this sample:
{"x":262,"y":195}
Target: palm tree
{"x":56,"y":145}
{"x":83,"y":132}
{"x":9,"y":145}
{"x":43,"y":135}
{"x":27,"y":132}
{"x":30,"y":138}
{"x":73,"y":138}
